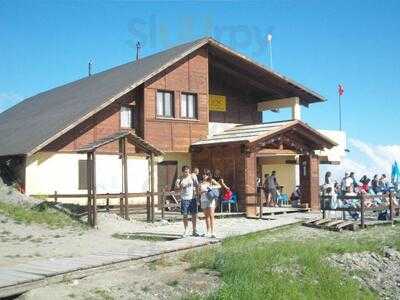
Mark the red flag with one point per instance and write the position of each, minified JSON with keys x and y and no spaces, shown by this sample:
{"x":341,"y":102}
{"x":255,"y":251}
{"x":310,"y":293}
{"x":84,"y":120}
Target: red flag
{"x":340,"y":89}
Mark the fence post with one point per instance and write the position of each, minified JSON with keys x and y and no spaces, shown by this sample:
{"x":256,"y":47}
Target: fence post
{"x":162,"y":204}
{"x":108,"y":204}
{"x":55,"y":197}
{"x":260,"y":202}
{"x":121,"y":207}
{"x":362,"y":209}
{"x":148,"y":206}
{"x":323,"y":206}
{"x":391,"y":206}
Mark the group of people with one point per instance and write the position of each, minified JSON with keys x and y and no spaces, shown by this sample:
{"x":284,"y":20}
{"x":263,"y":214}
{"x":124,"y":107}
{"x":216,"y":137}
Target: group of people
{"x":271,"y":189}
{"x":203,"y":189}
{"x":350,"y":186}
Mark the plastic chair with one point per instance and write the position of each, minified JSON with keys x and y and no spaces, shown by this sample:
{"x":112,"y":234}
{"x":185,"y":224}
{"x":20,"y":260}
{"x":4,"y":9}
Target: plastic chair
{"x":232,"y":201}
{"x":283,"y":199}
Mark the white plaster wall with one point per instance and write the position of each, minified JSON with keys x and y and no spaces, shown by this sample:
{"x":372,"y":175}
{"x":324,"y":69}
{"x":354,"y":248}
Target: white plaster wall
{"x":285,"y":174}
{"x":48,"y":172}
{"x":337,"y":153}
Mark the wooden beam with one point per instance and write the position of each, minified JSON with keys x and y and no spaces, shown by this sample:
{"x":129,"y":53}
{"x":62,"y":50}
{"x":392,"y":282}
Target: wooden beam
{"x":94,"y":189}
{"x":152,"y":185}
{"x":125,"y":178}
{"x":89,"y":187}
{"x":276,"y":151}
{"x":277,"y":103}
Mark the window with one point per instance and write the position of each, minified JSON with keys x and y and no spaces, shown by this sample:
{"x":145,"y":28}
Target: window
{"x":82,"y":176}
{"x":165,"y":104}
{"x":126,"y":117}
{"x":188,"y":106}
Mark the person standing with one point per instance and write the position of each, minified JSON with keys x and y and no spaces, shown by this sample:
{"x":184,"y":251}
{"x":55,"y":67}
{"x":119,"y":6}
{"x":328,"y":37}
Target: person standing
{"x":354,"y":181}
{"x":329,"y":190}
{"x":187,"y":184}
{"x":272,"y":188}
{"x":208,"y":199}
{"x":375,"y":184}
{"x":196,"y":172}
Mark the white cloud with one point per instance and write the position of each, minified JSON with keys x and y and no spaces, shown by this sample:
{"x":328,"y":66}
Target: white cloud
{"x":8,"y":99}
{"x":366,"y":159}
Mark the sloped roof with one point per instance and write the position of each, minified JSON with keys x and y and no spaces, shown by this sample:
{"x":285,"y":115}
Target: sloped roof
{"x":136,"y":140}
{"x":35,"y":122}
{"x":253,"y":133}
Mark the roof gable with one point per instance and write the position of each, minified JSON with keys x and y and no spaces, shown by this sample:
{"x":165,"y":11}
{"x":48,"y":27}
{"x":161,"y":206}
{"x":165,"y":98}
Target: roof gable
{"x":251,"y":134}
{"x":35,"y":122}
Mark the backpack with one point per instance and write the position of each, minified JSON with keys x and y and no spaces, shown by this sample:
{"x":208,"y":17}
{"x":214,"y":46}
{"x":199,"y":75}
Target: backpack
{"x":211,"y":194}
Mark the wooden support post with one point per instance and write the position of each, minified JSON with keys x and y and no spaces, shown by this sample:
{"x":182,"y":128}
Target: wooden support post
{"x":323,"y":206}
{"x":152,"y":186}
{"x":89,"y":188}
{"x":391,"y":206}
{"x":362,"y":199}
{"x":125,"y":178}
{"x":108,"y":204}
{"x":148,"y":206}
{"x":121,"y":207}
{"x":55,"y":197}
{"x":162,"y":203}
{"x":260,"y":202}
{"x":94,"y":198}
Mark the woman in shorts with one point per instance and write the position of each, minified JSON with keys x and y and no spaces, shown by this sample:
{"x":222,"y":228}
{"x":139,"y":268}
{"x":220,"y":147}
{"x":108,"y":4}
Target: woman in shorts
{"x":208,"y":201}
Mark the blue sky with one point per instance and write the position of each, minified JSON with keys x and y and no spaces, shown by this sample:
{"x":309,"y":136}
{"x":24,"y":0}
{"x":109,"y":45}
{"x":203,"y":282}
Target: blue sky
{"x":44,"y":44}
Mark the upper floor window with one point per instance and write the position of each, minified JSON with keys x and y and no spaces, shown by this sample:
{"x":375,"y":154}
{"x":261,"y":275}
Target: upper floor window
{"x":165,"y":104}
{"x":126,"y":117}
{"x":188,"y":106}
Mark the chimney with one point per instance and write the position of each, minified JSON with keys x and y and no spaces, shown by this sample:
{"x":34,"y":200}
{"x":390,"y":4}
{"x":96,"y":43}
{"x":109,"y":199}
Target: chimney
{"x":138,"y":46}
{"x":90,"y":68}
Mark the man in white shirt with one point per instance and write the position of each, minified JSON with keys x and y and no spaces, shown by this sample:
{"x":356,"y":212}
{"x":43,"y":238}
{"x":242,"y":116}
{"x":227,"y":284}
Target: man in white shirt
{"x":187,"y":184}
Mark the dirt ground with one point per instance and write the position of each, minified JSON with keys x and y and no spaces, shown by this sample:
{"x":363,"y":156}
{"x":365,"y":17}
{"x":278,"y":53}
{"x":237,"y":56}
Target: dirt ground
{"x":167,"y":277}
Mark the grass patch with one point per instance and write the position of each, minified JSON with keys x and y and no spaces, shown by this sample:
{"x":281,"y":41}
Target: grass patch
{"x":288,"y":264}
{"x":173,"y":283}
{"x":44,"y":215}
{"x":103,"y":294}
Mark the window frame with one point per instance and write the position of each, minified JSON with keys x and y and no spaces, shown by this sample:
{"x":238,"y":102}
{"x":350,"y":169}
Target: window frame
{"x":82,"y":174}
{"x":195,"y":106}
{"x":172,"y":104}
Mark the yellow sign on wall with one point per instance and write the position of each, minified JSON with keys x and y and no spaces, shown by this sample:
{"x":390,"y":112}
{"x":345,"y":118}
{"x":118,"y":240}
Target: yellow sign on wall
{"x":217,"y":102}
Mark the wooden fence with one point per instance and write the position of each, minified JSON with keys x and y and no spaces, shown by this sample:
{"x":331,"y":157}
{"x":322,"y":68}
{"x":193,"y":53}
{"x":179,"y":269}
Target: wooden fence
{"x":123,"y":208}
{"x":361,"y":205}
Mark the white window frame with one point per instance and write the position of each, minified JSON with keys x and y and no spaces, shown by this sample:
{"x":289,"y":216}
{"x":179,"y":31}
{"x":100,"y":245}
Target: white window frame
{"x":161,"y":104}
{"x":126,"y":117}
{"x":188,"y":111}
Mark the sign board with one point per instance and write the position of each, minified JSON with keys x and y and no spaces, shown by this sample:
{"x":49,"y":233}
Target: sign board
{"x":217,"y":102}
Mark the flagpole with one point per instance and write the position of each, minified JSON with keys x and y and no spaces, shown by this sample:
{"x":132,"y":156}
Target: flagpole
{"x":340,"y":113}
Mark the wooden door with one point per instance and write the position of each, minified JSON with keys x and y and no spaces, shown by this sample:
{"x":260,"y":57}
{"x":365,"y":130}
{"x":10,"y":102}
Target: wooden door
{"x":167,"y":175}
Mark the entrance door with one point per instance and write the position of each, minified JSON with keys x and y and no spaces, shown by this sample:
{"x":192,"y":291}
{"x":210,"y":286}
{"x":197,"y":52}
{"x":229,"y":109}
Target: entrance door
{"x":167,"y":175}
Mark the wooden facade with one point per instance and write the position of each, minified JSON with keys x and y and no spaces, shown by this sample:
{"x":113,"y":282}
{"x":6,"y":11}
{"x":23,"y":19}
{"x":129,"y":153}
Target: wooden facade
{"x":100,"y":125}
{"x":240,"y":163}
{"x":176,"y":134}
{"x":203,"y":72}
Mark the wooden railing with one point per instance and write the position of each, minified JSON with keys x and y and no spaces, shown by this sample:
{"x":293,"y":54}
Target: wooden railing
{"x":361,"y":205}
{"x":123,"y":209}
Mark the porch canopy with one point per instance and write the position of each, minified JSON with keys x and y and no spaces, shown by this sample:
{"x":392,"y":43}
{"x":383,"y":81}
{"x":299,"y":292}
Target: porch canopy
{"x":124,"y":139}
{"x":238,"y":152}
